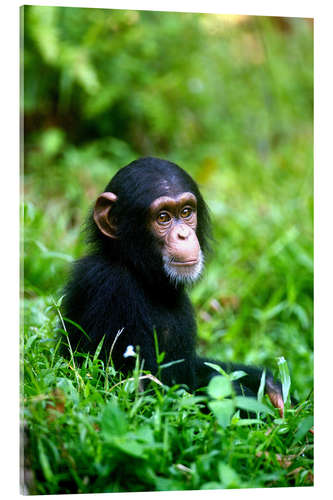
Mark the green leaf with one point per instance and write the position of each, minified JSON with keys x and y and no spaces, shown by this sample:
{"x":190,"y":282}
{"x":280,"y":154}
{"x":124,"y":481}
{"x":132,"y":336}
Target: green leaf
{"x":247,"y":421}
{"x":28,"y":343}
{"x":67,"y":320}
{"x":171,"y":363}
{"x":98,"y":349}
{"x":237,"y":375}
{"x":219,"y":387}
{"x":304,"y":427}
{"x":218,"y":368}
{"x":190,"y":401}
{"x":145,"y":434}
{"x":285,"y":377}
{"x":223,"y":411}
{"x":228,"y":476}
{"x":129,"y":447}
{"x":113,"y":422}
{"x":212,"y":485}
{"x":252,"y":405}
{"x":68,"y":388}
{"x":44,"y":461}
{"x":261,"y":390}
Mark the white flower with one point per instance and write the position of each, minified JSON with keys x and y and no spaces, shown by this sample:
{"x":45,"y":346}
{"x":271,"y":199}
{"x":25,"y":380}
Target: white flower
{"x":129,"y":352}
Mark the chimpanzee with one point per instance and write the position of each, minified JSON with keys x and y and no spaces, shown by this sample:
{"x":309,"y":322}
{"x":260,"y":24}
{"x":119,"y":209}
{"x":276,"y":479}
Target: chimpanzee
{"x":149,"y":232}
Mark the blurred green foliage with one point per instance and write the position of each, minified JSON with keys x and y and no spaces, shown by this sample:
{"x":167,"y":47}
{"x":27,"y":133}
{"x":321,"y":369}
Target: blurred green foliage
{"x":230,"y":99}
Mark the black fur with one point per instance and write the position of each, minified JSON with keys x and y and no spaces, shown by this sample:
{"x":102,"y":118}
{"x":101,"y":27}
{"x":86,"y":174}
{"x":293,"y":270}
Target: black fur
{"x":121,"y":284}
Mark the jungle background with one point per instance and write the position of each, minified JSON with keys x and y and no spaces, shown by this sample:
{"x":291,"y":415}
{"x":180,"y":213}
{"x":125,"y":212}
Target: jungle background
{"x":230,"y":99}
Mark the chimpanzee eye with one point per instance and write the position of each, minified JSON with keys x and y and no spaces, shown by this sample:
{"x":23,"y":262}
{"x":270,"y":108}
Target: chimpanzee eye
{"x":186,"y":212}
{"x":163,"y":217}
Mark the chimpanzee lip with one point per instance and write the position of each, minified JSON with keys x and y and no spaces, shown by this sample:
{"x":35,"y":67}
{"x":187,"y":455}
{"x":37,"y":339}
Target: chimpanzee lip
{"x":191,"y":262}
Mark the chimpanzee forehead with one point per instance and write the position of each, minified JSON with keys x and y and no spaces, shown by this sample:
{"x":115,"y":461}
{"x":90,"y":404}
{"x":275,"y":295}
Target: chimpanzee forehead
{"x":171,"y":186}
{"x":146,"y":179}
{"x":172,"y":202}
{"x":160,"y":189}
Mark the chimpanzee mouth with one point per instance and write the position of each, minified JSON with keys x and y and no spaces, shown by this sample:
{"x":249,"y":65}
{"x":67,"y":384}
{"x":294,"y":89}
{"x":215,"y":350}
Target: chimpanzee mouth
{"x":183,"y":272}
{"x":185,"y":263}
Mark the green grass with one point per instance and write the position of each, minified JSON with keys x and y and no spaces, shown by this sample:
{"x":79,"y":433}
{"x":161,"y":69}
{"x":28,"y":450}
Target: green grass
{"x":87,"y":432}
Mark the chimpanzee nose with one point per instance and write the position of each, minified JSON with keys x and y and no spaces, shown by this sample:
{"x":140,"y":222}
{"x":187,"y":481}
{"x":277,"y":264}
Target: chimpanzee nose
{"x":183,"y":232}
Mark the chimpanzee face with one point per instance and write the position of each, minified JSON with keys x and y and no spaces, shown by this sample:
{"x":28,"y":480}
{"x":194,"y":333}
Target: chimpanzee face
{"x":173,"y":221}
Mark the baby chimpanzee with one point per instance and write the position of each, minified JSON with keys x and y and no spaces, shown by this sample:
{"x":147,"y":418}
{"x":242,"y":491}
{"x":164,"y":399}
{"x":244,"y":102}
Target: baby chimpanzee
{"x":149,"y":232}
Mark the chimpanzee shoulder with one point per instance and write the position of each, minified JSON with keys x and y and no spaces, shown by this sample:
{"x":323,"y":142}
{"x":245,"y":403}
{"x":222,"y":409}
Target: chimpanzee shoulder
{"x":100,"y":296}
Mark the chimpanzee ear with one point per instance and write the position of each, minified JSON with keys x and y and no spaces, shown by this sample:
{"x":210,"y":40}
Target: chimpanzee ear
{"x":102,"y":216}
